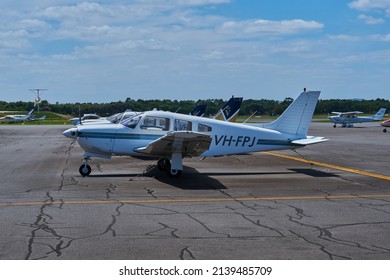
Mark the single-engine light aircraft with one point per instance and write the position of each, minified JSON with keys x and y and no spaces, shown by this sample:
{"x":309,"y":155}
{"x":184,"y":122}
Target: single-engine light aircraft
{"x":347,"y":119}
{"x":21,"y":118}
{"x":170,"y":137}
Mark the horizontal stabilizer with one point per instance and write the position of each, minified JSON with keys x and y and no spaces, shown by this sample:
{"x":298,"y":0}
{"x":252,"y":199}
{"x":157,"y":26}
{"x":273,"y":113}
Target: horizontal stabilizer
{"x":309,"y":141}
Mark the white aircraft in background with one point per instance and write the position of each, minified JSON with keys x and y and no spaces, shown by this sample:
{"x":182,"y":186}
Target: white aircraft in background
{"x":228,"y":112}
{"x":170,"y":137}
{"x":385,"y":124}
{"x":21,"y":118}
{"x":86,"y":117}
{"x":347,"y":119}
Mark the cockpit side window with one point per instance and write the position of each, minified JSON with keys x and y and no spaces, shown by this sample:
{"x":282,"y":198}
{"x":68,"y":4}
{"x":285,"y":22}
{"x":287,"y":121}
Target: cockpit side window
{"x":131,"y":122}
{"x":204,"y":128}
{"x":155,"y":123}
{"x":182,"y":125}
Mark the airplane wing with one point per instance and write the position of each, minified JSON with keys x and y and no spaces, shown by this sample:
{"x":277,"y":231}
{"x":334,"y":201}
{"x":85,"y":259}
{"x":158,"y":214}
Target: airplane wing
{"x":309,"y":140}
{"x":186,"y":142}
{"x":344,"y":114}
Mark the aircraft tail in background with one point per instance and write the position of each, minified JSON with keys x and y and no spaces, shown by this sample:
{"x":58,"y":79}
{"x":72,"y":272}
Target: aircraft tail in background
{"x":30,"y":114}
{"x":229,"y":111}
{"x":297,"y":117}
{"x":380,"y":114}
{"x":199,"y":110}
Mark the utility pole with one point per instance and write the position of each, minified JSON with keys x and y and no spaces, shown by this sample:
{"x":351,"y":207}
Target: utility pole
{"x":38,"y":92}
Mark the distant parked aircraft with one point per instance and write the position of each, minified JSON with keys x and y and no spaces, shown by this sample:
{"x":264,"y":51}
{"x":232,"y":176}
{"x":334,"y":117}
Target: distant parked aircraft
{"x":21,"y":118}
{"x":86,"y":117}
{"x":347,"y":119}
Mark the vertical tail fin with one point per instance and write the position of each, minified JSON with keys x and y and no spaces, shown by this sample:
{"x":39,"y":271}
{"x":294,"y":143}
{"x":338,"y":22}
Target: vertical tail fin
{"x":229,"y":111}
{"x":199,"y":110}
{"x":30,"y":114}
{"x":380,"y":114}
{"x":297,"y":117}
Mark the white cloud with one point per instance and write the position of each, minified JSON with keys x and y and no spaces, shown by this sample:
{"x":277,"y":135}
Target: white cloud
{"x":202,"y":2}
{"x":371,"y":20}
{"x":381,"y":38}
{"x":269,"y":26}
{"x":370,"y":4}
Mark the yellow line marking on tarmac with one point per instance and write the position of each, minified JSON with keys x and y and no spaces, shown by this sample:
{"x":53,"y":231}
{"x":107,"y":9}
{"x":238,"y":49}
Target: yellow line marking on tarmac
{"x":346,"y":169}
{"x":192,"y":200}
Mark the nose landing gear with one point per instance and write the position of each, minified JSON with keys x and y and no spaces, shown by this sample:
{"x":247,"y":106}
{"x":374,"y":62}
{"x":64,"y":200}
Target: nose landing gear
{"x":85,"y":169}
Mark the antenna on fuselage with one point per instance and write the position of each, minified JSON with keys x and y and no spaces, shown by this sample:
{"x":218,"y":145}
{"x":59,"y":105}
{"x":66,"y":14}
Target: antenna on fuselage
{"x":80,"y":116}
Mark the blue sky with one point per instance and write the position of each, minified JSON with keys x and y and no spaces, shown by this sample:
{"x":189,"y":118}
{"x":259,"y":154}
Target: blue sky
{"x":103,"y":51}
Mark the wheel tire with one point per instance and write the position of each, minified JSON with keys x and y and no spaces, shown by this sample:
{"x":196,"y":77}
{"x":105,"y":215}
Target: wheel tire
{"x":384,"y":130}
{"x":334,"y":126}
{"x":85,"y":170}
{"x":163,"y":164}
{"x":174,"y":173}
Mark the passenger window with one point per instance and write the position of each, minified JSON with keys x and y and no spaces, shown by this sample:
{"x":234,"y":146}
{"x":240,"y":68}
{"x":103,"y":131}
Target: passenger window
{"x":155,"y":123}
{"x":182,"y":125}
{"x":204,"y":128}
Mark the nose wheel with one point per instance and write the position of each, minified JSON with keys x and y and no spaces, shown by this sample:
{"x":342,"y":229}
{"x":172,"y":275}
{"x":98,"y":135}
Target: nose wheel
{"x":85,"y":169}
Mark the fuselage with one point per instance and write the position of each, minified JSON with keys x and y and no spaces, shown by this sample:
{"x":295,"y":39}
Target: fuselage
{"x":386,"y":123}
{"x":105,"y":140}
{"x":346,"y":120}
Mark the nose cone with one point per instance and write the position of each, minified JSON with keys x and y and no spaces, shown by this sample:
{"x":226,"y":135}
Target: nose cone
{"x":71,"y":133}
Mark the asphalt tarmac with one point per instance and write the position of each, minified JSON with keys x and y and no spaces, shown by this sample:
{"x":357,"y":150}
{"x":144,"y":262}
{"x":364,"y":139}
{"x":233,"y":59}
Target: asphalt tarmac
{"x":263,"y":206}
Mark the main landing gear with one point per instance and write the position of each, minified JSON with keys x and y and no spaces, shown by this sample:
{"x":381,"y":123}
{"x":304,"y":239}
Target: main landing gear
{"x":173,"y":167}
{"x":165,"y":165}
{"x":85,"y":169}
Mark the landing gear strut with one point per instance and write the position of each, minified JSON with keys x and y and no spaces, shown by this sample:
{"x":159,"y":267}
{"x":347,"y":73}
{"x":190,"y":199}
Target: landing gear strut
{"x":85,"y":169}
{"x":173,"y":167}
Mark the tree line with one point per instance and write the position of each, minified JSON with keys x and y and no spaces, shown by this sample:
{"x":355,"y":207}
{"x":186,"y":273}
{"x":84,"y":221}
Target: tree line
{"x":248,"y":106}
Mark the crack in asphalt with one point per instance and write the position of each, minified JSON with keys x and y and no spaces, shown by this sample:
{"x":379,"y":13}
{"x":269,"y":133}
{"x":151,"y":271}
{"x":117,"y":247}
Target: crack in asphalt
{"x":186,"y":254}
{"x":41,"y":227}
{"x":72,"y":180}
{"x":109,"y":190}
{"x":326,"y":234}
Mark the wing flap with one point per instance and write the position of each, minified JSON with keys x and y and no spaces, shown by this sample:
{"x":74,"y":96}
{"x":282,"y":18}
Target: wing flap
{"x":185,"y":142}
{"x":309,"y":141}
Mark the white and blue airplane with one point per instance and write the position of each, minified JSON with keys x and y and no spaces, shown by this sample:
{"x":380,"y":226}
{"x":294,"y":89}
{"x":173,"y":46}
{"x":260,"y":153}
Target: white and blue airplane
{"x":347,"y":119}
{"x":170,"y":137}
{"x":21,"y":118}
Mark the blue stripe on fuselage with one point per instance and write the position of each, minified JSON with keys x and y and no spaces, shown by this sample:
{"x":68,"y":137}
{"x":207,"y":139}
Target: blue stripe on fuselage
{"x":104,"y":135}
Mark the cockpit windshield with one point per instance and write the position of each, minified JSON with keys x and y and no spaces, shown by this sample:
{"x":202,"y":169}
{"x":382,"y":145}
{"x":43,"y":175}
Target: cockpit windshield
{"x":131,"y":122}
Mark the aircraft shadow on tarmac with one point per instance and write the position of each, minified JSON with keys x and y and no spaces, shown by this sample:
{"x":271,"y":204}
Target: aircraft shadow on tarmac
{"x":313,"y":172}
{"x":192,"y":179}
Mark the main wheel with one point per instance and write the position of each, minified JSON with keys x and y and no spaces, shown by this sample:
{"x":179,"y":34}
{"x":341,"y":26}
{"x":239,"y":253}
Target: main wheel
{"x":384,"y":130}
{"x":334,"y":125}
{"x":163,"y":164}
{"x":174,"y":173}
{"x":85,"y":170}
